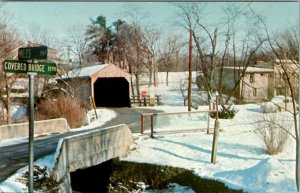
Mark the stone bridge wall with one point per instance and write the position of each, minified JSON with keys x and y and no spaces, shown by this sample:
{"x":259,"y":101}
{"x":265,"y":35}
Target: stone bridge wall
{"x":88,"y":149}
{"x":40,"y":128}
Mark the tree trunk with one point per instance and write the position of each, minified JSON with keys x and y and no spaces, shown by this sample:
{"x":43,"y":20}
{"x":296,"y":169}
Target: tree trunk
{"x":155,"y":73}
{"x":8,"y":110}
{"x":297,"y":156}
{"x":297,"y":165}
{"x":137,"y":86}
{"x":150,"y":74}
{"x":190,"y":74}
{"x":130,"y":72}
{"x":167,"y":77}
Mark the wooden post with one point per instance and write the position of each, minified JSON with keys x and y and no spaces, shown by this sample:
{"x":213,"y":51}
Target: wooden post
{"x":216,"y":135}
{"x":215,"y":142}
{"x":208,"y":117}
{"x":94,"y":105}
{"x":152,"y":126}
{"x":142,"y":124}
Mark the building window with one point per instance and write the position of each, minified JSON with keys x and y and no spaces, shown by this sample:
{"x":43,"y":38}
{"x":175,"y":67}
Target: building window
{"x":255,"y":92}
{"x":251,"y":78}
{"x":261,"y":74}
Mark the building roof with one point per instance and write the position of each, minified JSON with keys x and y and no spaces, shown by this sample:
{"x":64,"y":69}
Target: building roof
{"x":250,"y":69}
{"x":85,"y":71}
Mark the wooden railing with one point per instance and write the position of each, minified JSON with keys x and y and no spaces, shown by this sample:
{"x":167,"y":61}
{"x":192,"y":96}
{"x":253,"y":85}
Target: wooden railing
{"x":145,"y":101}
{"x":215,"y":128}
{"x":151,"y":115}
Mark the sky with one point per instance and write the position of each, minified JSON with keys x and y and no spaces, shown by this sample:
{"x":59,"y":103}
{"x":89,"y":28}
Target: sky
{"x":58,"y":17}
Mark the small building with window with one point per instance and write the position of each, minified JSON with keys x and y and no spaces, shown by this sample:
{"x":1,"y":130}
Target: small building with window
{"x":255,"y":86}
{"x":283,"y":69}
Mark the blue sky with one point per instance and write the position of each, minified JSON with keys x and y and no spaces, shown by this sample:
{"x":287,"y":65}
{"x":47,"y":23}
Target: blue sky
{"x":57,"y":17}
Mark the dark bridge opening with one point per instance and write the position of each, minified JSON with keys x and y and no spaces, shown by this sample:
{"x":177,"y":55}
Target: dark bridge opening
{"x":94,"y":179}
{"x":121,"y":176}
{"x":111,"y":92}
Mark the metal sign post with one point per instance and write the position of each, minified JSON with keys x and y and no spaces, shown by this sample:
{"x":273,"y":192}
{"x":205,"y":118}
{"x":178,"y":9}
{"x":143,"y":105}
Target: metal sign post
{"x":31,"y":68}
{"x":31,"y":130}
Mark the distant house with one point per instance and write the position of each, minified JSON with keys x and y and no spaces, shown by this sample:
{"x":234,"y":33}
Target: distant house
{"x":107,"y":83}
{"x":278,"y":67}
{"x":257,"y":84}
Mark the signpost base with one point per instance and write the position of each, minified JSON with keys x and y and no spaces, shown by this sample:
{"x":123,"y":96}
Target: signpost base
{"x":31,"y":130}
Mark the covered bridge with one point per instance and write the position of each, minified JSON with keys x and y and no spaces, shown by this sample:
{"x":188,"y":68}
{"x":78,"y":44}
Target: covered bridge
{"x":107,"y":83}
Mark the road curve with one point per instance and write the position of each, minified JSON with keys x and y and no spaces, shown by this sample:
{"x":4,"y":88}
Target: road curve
{"x":14,"y":157}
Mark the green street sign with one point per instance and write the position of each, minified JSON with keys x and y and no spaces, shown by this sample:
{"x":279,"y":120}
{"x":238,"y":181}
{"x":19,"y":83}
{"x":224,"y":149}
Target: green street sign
{"x":29,"y":53}
{"x":17,"y":66}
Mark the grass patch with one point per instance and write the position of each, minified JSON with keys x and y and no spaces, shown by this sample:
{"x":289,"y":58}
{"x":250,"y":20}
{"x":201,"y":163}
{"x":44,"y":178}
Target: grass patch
{"x":126,"y":177}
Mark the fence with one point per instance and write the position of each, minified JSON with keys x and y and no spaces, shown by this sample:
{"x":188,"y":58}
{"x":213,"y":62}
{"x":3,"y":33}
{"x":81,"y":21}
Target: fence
{"x":152,"y":115}
{"x":145,"y":101}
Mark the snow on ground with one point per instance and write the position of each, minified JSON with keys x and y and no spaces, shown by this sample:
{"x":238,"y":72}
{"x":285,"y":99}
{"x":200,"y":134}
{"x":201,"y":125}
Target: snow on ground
{"x":104,"y":115}
{"x":241,"y":159}
{"x":13,"y":185}
{"x":171,"y":95}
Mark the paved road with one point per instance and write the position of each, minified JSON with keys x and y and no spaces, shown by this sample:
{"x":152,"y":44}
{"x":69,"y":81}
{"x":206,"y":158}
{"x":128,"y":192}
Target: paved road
{"x":14,"y":157}
{"x":130,"y":117}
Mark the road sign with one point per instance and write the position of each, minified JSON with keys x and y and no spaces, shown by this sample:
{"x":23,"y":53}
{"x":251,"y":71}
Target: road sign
{"x":29,"y":53}
{"x":17,"y":66}
{"x":144,"y":94}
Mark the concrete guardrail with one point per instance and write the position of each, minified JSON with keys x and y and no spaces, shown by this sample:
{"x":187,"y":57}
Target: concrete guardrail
{"x":40,"y":128}
{"x":89,"y":149}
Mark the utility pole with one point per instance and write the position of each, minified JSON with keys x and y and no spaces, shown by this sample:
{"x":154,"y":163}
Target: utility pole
{"x":190,"y":73}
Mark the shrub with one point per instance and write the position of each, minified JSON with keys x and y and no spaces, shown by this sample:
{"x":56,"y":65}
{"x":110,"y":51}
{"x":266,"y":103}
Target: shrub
{"x":43,"y":179}
{"x":123,"y":177}
{"x":63,"y":107}
{"x":273,"y":129}
{"x":225,"y":112}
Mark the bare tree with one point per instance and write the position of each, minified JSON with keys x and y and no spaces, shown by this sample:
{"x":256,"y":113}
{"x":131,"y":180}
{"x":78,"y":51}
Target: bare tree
{"x":78,"y":42}
{"x":281,"y":48}
{"x":239,"y":56}
{"x":9,"y":40}
{"x":134,"y":43}
{"x":169,"y":52}
{"x":205,"y":41}
{"x":36,"y":34}
{"x":183,"y":86}
{"x":151,"y":38}
{"x":290,"y":76}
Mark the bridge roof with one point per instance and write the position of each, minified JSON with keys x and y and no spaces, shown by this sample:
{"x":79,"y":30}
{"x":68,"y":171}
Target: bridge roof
{"x":85,"y":71}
